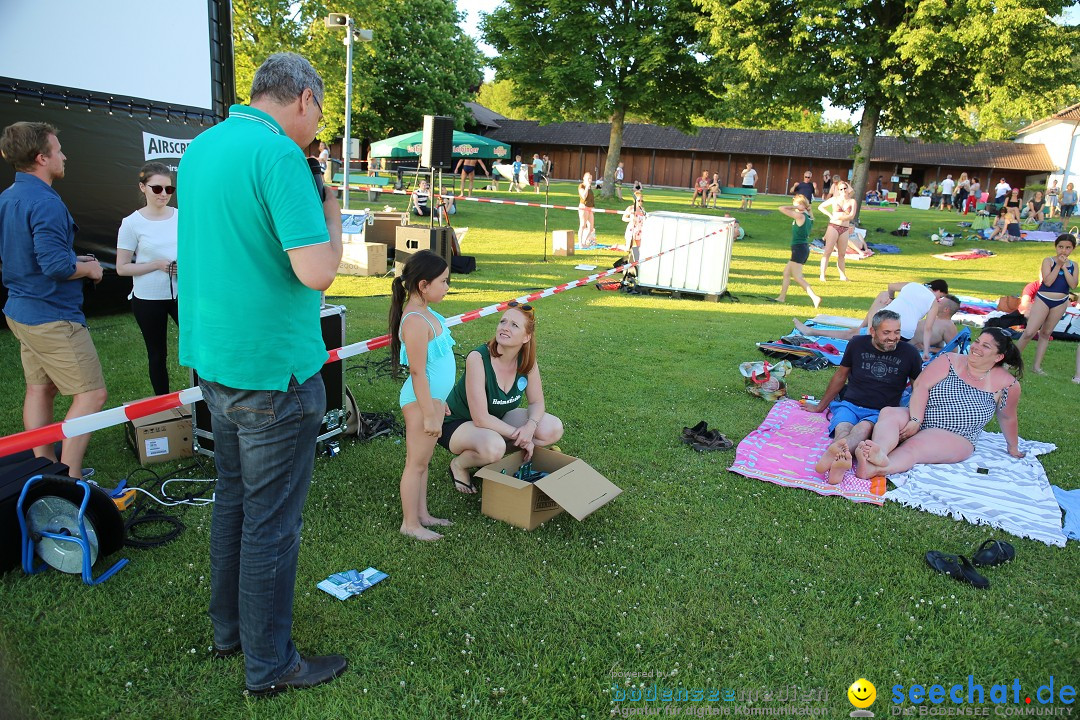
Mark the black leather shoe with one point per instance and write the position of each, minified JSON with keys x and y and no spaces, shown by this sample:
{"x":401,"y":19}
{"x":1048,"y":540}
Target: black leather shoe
{"x":310,"y":672}
{"x":225,"y":653}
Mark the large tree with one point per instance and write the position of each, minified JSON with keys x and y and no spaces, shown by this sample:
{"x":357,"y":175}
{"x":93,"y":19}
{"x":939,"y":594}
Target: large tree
{"x":910,"y":67}
{"x":602,"y":60}
{"x":419,"y":62}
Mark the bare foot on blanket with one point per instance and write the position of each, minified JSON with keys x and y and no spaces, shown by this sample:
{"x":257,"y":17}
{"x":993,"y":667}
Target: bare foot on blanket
{"x":429,"y":521}
{"x":802,"y":328}
{"x":864,"y":468}
{"x":876,"y":455}
{"x":840,"y":466}
{"x":421,"y":533}
{"x":829,"y":456}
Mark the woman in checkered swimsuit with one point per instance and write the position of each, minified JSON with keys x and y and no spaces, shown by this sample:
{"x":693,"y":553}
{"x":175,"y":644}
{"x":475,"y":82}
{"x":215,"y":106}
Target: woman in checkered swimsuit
{"x":951,"y":402}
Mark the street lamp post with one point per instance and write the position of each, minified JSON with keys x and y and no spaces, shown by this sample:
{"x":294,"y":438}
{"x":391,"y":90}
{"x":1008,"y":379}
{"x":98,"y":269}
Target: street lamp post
{"x":335,"y":20}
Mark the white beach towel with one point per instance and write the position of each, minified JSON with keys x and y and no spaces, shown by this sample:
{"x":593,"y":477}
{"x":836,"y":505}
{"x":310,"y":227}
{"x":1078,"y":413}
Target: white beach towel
{"x":1011,"y":495}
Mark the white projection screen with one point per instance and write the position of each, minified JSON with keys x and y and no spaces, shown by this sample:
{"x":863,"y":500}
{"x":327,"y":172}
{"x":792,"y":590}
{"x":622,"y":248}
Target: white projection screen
{"x":156,"y":51}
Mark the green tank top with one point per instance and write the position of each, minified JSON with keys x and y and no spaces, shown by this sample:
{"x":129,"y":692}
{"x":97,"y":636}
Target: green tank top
{"x":801,"y":235}
{"x":498,"y":402}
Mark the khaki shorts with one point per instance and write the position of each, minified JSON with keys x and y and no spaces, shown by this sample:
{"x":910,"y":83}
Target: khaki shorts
{"x":60,"y":353}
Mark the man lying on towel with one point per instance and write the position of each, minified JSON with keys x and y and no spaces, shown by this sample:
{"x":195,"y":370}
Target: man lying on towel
{"x":872,"y":375}
{"x":925,"y":315}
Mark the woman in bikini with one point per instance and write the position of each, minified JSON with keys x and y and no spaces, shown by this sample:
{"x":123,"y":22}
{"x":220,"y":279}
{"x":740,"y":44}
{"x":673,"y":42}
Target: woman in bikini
{"x":840,"y":208}
{"x":951,"y":402}
{"x":1059,"y":276}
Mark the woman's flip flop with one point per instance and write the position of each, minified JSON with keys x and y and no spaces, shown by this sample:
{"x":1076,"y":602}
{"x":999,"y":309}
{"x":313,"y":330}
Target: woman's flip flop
{"x":993,"y":552}
{"x":465,"y":487}
{"x":957,"y":567}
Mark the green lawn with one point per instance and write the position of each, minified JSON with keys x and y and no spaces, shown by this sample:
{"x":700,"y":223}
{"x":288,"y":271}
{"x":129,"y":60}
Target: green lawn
{"x":703,"y":578}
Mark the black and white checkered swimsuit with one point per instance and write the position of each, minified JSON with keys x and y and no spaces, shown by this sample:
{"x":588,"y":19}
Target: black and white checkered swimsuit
{"x":960,"y":408}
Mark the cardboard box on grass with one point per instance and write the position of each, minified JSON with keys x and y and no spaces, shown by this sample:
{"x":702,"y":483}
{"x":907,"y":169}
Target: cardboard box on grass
{"x":571,"y":485}
{"x":162,"y":436}
{"x":362,"y":258}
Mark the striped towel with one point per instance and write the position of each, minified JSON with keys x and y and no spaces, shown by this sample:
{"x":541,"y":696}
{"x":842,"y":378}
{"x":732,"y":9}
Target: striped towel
{"x":1014,"y":495}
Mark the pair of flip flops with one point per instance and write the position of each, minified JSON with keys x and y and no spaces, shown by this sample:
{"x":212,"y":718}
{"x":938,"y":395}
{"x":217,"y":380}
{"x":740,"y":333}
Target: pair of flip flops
{"x":702,"y":439}
{"x":958,"y":567}
{"x":811,"y":362}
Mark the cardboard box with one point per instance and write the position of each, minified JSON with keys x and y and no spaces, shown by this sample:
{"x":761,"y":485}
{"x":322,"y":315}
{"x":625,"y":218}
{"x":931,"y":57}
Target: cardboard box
{"x":362,"y":258}
{"x":571,"y":485}
{"x":162,"y":436}
{"x":562,"y":242}
{"x":384,"y":229}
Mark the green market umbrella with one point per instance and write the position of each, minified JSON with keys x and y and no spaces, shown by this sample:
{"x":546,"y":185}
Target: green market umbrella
{"x":466,"y":145}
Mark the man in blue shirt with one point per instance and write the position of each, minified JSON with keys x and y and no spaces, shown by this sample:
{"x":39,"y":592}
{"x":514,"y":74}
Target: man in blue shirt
{"x":257,"y":244}
{"x":44,"y":280}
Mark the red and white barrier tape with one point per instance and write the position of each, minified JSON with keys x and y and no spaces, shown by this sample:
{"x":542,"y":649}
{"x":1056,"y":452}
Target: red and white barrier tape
{"x":494,"y":201}
{"x":117,"y":416}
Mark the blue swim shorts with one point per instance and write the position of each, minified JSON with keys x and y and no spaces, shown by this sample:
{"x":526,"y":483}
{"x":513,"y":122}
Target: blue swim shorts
{"x":841,"y":411}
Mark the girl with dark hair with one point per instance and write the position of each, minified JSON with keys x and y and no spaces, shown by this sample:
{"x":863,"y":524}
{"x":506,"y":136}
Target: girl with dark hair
{"x":146,"y":252}
{"x":1059,"y":277}
{"x":951,"y":402}
{"x":484,"y":418}
{"x":420,"y":339}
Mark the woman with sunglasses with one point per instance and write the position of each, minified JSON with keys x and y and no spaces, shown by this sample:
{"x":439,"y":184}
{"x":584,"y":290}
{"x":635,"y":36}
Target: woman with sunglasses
{"x":146,"y":251}
{"x":840,"y":208}
{"x":951,"y":402}
{"x":484,"y":419}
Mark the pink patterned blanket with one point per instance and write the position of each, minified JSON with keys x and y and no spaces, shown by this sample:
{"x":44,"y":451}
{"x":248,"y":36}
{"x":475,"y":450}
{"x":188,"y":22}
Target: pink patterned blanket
{"x":785,"y":448}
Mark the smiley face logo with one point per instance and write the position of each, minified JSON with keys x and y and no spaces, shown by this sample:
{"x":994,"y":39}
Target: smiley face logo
{"x":862,"y":693}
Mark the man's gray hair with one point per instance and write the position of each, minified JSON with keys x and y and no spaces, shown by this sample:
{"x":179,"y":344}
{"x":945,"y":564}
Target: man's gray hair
{"x":284,"y":77}
{"x":882,"y":315}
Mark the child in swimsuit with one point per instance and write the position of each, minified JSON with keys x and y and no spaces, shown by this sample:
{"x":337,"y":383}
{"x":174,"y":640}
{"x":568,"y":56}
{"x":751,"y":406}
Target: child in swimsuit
{"x":1059,"y":277}
{"x":420,"y":339}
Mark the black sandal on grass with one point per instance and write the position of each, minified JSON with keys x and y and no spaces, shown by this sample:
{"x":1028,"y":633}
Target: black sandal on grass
{"x":957,"y":567}
{"x":993,"y":552}
{"x":469,"y":488}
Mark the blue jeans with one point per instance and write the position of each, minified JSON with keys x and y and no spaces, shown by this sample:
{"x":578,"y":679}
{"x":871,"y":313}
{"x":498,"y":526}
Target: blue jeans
{"x":264,"y":450}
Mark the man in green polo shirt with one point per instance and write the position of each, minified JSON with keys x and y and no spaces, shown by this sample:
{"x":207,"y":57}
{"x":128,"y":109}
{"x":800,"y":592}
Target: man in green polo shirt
{"x":257,"y":244}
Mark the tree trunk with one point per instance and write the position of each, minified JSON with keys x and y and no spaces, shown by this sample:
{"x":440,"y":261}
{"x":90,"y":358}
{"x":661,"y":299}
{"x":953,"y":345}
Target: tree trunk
{"x":863,"y":150}
{"x":613,"y":153}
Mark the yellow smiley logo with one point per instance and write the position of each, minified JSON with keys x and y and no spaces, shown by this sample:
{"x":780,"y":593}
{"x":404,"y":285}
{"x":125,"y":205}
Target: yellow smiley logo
{"x":862,"y":693}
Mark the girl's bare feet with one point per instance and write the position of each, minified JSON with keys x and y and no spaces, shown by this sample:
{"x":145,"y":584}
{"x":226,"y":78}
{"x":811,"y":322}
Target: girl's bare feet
{"x":840,"y":466}
{"x":815,"y":299}
{"x":1038,"y":371}
{"x":1077,"y":379}
{"x":429,"y":521}
{"x":421,"y":533}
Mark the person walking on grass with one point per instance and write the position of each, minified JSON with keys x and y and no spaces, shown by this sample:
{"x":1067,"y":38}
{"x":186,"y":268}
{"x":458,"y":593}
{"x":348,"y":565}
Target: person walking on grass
{"x":420,"y":339}
{"x":802,"y":222}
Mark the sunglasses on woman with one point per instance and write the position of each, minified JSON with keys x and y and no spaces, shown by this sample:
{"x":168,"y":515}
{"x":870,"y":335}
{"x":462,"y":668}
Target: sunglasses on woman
{"x":518,"y":306}
{"x":157,"y":189}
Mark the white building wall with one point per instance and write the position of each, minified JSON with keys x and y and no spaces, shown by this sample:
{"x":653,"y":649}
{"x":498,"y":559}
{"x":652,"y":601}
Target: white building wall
{"x":1059,"y":138}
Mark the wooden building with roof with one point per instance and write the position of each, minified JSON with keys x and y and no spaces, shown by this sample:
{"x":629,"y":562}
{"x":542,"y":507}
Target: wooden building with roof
{"x":664,"y":156}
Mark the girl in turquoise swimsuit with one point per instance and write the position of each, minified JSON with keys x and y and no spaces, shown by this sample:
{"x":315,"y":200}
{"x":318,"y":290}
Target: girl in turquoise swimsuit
{"x":420,"y":339}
